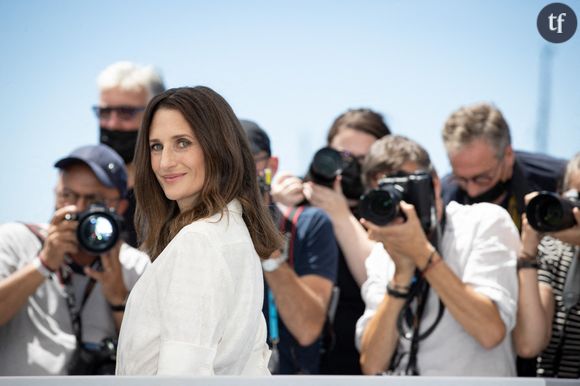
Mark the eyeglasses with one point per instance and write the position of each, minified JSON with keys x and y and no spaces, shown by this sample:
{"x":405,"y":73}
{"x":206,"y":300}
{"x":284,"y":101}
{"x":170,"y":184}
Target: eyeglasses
{"x":125,"y":113}
{"x":68,"y":197}
{"x":481,"y":179}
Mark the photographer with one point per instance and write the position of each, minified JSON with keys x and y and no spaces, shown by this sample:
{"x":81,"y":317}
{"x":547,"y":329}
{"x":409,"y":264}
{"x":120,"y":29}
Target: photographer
{"x":351,"y":134}
{"x":299,"y":279}
{"x":548,"y":318}
{"x":486,"y":168}
{"x":58,"y":302}
{"x":441,"y":295}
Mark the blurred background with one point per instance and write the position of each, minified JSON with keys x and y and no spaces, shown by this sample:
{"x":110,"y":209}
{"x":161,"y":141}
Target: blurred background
{"x":292,"y":66}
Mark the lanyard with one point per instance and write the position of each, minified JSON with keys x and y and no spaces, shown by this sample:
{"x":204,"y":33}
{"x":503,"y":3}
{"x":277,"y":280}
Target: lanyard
{"x":273,"y":319}
{"x":71,"y":301}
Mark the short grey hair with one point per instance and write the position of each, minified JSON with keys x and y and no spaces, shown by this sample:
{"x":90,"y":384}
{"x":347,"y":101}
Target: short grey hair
{"x":478,"y":121}
{"x":129,"y":76}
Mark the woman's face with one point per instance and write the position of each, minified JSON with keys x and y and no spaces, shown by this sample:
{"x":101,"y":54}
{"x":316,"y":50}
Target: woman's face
{"x":353,"y":141}
{"x":177,"y":158}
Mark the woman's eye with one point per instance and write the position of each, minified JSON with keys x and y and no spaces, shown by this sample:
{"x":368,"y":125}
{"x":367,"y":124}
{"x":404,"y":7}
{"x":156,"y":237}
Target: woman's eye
{"x":183,"y":143}
{"x":155,"y":147}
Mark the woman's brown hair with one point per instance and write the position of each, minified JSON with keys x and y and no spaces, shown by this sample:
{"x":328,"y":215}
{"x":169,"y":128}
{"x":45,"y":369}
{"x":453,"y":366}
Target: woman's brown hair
{"x":364,"y":120}
{"x":230,"y":173}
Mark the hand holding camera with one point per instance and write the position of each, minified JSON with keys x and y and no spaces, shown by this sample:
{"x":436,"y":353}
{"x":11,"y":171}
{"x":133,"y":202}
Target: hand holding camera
{"x":61,"y":238}
{"x":555,"y":214}
{"x":403,"y":239}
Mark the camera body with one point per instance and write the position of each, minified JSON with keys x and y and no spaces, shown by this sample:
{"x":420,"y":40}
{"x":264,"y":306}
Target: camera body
{"x":99,"y":228}
{"x":99,"y":360}
{"x":549,"y":212}
{"x":381,"y":206}
{"x":328,"y":163}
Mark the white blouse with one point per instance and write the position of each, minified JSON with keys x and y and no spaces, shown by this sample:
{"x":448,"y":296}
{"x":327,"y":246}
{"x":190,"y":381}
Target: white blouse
{"x":197,"y":310}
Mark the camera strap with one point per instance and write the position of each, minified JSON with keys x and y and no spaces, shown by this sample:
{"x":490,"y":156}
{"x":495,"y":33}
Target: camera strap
{"x":65,"y":273}
{"x":71,"y":301}
{"x":409,"y":322}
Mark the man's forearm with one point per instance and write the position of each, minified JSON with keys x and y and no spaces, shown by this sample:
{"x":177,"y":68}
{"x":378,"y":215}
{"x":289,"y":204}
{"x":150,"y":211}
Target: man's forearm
{"x":380,"y":337}
{"x":476,"y":313}
{"x":354,"y":244}
{"x":16,"y":289}
{"x":531,"y":333}
{"x":300,"y":301}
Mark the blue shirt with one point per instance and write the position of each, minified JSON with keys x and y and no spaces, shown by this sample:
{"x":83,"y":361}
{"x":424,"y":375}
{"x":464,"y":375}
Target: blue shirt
{"x":315,"y":252}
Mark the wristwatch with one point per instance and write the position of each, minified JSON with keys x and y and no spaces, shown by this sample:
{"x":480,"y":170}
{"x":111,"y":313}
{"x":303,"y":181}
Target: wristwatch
{"x":273,"y":263}
{"x":40,"y":267}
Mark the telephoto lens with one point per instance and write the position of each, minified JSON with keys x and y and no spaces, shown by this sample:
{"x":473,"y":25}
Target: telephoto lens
{"x":549,"y":212}
{"x":326,"y":165}
{"x":381,"y":206}
{"x":99,"y":229}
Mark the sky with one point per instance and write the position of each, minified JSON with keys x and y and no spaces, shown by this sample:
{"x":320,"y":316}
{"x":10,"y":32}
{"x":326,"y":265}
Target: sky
{"x":291,"y":66}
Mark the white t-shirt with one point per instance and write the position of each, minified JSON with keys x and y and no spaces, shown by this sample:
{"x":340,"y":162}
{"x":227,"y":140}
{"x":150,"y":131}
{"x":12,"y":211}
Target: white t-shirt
{"x":39,"y":339}
{"x":479,"y":244}
{"x":198,"y":308}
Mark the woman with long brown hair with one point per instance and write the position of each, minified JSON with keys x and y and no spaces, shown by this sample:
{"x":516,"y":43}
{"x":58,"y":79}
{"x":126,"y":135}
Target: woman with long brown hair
{"x":197,"y":309}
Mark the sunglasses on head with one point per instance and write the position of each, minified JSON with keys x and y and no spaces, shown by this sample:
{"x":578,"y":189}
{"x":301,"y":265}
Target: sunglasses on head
{"x":124,"y":113}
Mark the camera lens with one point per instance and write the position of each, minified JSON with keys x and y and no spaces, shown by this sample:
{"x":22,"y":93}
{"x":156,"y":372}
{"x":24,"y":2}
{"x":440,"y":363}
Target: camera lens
{"x":97,"y":232}
{"x":548,"y":212}
{"x":326,"y":165}
{"x":380,"y":206}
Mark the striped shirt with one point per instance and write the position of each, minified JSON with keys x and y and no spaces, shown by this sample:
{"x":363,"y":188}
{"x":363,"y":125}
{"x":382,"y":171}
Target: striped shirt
{"x":561,"y":358}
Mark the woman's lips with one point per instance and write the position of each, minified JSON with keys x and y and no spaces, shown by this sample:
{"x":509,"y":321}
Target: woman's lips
{"x":169,"y":178}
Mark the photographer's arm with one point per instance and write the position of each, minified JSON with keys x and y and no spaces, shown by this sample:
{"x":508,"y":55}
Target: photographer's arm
{"x":535,"y":300}
{"x":301,"y":301}
{"x":16,"y":289}
{"x":476,"y":313}
{"x":20,"y":285}
{"x":380,"y":336}
{"x":352,"y":237}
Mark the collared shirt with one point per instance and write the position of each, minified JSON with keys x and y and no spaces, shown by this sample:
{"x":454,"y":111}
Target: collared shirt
{"x":198,"y":308}
{"x":39,"y":339}
{"x":479,"y":245}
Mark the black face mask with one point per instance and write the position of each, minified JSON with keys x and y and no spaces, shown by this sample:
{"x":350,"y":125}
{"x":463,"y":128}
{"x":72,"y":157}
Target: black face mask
{"x":490,"y":195}
{"x":123,"y":142}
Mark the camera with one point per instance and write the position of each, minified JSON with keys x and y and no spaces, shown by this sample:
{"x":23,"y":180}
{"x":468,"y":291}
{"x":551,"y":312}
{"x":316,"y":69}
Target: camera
{"x":381,"y":206}
{"x":549,"y":212}
{"x":265,"y":180}
{"x":328,"y":163}
{"x":99,"y":228}
{"x":94,"y":359}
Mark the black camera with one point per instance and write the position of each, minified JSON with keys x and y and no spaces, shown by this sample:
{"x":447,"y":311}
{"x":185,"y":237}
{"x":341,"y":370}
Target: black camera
{"x":328,"y":163}
{"x":99,"y":228}
{"x":381,"y":206}
{"x":549,"y":212}
{"x":99,"y":360}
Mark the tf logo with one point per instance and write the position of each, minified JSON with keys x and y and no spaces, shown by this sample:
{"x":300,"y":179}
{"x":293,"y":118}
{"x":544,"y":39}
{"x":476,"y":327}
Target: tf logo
{"x":557,"y":22}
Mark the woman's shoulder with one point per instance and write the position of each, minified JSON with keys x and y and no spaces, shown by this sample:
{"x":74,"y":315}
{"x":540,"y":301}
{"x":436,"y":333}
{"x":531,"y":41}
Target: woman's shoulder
{"x":215,"y":226}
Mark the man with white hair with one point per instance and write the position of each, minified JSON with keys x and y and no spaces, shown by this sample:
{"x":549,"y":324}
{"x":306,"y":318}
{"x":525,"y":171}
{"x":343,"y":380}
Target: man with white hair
{"x":125,"y":88}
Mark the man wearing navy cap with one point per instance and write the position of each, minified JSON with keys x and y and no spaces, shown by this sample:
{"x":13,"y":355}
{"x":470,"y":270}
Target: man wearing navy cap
{"x":61,"y":303}
{"x":298,"y":281}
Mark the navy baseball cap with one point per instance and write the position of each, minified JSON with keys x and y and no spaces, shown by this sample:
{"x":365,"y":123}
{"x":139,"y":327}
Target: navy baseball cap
{"x":259,"y":140}
{"x":107,"y":165}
